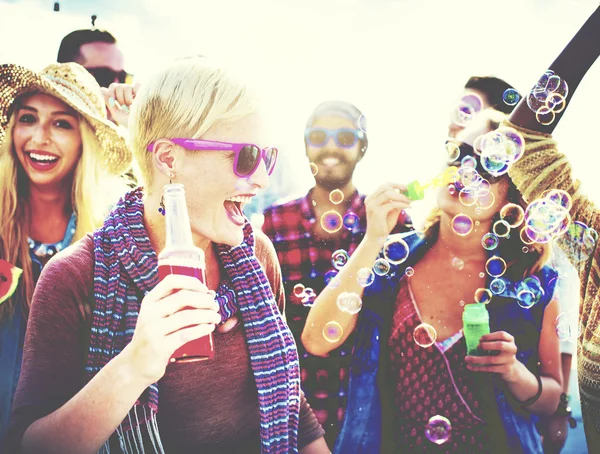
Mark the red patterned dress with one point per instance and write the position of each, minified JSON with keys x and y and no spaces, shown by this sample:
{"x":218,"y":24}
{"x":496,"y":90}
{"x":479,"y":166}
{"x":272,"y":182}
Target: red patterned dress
{"x":432,"y":381}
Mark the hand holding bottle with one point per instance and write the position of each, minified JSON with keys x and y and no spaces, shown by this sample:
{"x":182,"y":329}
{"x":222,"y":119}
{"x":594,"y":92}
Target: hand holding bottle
{"x":179,"y":309}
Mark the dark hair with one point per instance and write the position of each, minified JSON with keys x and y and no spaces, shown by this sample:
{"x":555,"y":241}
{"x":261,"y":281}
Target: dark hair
{"x":70,"y":46}
{"x":493,"y":88}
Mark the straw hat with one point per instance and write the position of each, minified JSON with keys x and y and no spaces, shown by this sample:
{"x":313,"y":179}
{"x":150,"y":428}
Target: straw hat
{"x":72,"y":84}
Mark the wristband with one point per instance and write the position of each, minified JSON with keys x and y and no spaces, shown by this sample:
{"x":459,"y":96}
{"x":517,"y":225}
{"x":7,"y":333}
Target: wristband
{"x":532,"y":400}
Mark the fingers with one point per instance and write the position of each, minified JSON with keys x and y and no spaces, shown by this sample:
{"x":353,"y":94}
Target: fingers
{"x":183,"y":299}
{"x":120,"y":96}
{"x":497,"y":369}
{"x":190,"y":317}
{"x":497,"y":335}
{"x":502,"y":346}
{"x":171,"y":283}
{"x":487,"y":360}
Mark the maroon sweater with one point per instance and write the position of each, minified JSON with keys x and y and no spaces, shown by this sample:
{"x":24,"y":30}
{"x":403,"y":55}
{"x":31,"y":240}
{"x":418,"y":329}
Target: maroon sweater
{"x":207,"y":406}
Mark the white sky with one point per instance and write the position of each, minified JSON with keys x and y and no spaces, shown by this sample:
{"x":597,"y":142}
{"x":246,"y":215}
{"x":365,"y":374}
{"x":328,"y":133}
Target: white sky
{"x":401,"y":62}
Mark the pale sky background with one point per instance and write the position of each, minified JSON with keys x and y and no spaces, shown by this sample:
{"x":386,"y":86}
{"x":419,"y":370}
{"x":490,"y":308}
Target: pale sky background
{"x":402,"y":62}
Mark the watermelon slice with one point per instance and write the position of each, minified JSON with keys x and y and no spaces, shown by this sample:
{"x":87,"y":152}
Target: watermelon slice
{"x":9,"y":279}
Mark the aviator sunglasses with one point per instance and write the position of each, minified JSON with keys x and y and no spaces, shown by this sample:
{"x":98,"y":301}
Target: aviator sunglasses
{"x":343,"y":137}
{"x":106,"y":76}
{"x":247,"y":155}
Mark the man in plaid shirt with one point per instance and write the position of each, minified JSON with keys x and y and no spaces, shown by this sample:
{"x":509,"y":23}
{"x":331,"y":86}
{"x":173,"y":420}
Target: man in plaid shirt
{"x":307,"y":231}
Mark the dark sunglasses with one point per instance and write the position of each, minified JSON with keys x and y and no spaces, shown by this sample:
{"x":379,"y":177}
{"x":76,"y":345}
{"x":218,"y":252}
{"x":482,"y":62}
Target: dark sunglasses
{"x":247,"y":155}
{"x":343,"y":137}
{"x":106,"y":76}
{"x":467,"y":150}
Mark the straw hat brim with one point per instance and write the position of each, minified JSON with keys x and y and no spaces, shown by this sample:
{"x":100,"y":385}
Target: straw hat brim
{"x":16,"y":81}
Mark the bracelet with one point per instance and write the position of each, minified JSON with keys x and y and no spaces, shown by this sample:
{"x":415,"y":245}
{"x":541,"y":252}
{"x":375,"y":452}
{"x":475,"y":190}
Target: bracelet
{"x":563,"y":408}
{"x":533,"y":399}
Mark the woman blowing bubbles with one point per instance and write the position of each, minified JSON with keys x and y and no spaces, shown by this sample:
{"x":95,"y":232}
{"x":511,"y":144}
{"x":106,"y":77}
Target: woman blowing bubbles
{"x":405,"y":374}
{"x":91,"y":381}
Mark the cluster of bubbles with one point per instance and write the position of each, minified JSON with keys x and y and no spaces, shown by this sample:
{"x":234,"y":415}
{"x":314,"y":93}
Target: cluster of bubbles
{"x":438,"y":429}
{"x":467,"y":107}
{"x":547,"y":218}
{"x":305,"y":294}
{"x":548,"y":97}
{"x":424,"y":335}
{"x":349,"y":302}
{"x":529,"y":292}
{"x":499,"y":149}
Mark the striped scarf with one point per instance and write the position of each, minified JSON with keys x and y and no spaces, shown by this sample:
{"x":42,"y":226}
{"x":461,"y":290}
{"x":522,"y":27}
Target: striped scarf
{"x":126,"y":269}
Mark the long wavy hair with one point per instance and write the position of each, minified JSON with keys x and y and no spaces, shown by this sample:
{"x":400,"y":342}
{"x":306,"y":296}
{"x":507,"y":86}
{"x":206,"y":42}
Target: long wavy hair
{"x":93,"y":193}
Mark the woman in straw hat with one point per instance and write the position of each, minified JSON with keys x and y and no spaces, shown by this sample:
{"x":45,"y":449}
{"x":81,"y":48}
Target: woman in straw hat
{"x":97,"y":376}
{"x":59,"y":164}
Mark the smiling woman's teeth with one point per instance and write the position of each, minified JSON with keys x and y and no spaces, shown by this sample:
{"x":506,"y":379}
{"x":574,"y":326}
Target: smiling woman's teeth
{"x":43,"y":157}
{"x":240,"y":199}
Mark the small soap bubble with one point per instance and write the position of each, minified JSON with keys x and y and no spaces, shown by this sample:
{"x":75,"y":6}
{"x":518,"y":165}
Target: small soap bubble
{"x":560,"y":197}
{"x":350,"y":220}
{"x":501,"y":228}
{"x":298,"y":289}
{"x":329,"y":275}
{"x":424,"y":335}
{"x":490,"y":241}
{"x":336,"y":196}
{"x":438,"y":430}
{"x":486,"y":201}
{"x":513,"y":214}
{"x":339,"y":258}
{"x":526,"y":298}
{"x":497,"y":286}
{"x":495,"y":266}
{"x":362,"y":123}
{"x":365,"y":277}
{"x":457,"y":263}
{"x":462,"y":224}
{"x":483,"y":295}
{"x":468,"y":161}
{"x":349,"y":302}
{"x":409,"y":271}
{"x":395,"y":250}
{"x":545,"y":116}
{"x":568,"y":326}
{"x":511,"y":97}
{"x":331,"y":221}
{"x":468,"y":196}
{"x":314,"y":169}
{"x":308,"y":297}
{"x":453,"y":151}
{"x":381,"y":267}
{"x":482,"y":274}
{"x":525,"y":249}
{"x":333,"y":332}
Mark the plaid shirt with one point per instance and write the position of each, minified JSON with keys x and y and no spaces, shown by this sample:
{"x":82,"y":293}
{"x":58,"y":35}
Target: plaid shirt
{"x":305,"y":259}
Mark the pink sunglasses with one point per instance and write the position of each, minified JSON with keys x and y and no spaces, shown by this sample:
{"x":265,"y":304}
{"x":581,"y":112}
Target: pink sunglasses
{"x":247,"y":155}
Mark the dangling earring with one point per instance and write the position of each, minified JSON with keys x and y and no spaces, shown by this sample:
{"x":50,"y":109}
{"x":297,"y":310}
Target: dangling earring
{"x":161,"y":208}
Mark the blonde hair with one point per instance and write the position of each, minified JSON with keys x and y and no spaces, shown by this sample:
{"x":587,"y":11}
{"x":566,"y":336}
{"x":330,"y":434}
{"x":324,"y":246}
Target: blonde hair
{"x":185,"y":99}
{"x":93,"y":192}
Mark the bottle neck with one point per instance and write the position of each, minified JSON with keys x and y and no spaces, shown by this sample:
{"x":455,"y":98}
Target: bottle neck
{"x":177,"y":220}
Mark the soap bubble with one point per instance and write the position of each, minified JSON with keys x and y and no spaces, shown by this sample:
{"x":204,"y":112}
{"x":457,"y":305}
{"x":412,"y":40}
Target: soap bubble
{"x":314,"y":169}
{"x":339,"y":258}
{"x":468,"y":196}
{"x":298,"y":290}
{"x":424,"y":335}
{"x":513,"y":214}
{"x":308,"y":297}
{"x":511,"y":97}
{"x":486,"y":201}
{"x":381,"y":267}
{"x":548,"y":97}
{"x":395,"y":250}
{"x":438,"y":429}
{"x":483,"y":296}
{"x":490,"y":241}
{"x":329,"y":275}
{"x":568,"y":326}
{"x":365,"y":277}
{"x":331,"y":221}
{"x":559,"y":197}
{"x":500,"y":149}
{"x":501,"y":228}
{"x":497,"y":286}
{"x":336,"y":196}
{"x":349,"y":302}
{"x":469,"y":105}
{"x":351,"y":220}
{"x":457,"y":263}
{"x":468,"y":161}
{"x":409,"y":271}
{"x":333,"y":332}
{"x":462,"y":224}
{"x":525,"y":298}
{"x":495,"y":266}
{"x":453,"y":151}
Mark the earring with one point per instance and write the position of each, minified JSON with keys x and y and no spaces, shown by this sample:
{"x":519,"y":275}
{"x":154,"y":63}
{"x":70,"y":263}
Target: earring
{"x":161,"y":208}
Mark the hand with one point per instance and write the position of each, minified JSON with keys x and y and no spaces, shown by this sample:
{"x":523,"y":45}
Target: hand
{"x":504,"y":364}
{"x":118,"y":98}
{"x":162,"y":326}
{"x":384,"y":206}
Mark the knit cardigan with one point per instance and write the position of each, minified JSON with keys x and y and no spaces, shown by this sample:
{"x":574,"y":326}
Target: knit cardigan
{"x":543,"y":167}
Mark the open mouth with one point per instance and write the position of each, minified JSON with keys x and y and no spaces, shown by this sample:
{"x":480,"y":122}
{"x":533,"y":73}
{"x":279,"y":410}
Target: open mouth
{"x":234,"y":207}
{"x":330,"y":161}
{"x":42,"y":161}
